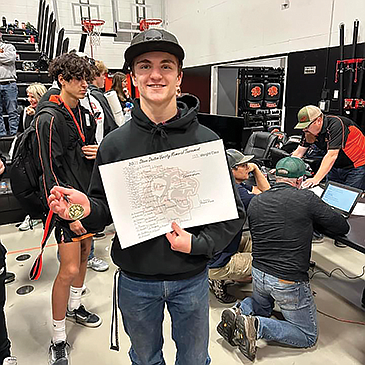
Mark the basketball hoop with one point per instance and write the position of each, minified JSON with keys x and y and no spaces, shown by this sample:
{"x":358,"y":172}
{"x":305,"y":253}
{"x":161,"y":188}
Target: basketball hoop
{"x":145,"y":24}
{"x":93,"y":28}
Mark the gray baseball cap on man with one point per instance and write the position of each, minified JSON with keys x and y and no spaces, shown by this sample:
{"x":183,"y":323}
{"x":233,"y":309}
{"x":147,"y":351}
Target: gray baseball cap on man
{"x":152,"y":40}
{"x":236,"y":158}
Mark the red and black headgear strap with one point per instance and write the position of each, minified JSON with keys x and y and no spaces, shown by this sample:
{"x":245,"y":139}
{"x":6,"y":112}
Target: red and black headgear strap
{"x":36,"y":270}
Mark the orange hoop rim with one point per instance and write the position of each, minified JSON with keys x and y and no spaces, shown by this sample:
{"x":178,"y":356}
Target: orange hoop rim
{"x":89,"y":24}
{"x":144,"y":24}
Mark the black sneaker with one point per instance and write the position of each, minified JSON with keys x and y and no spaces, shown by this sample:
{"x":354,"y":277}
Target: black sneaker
{"x":227,"y":325}
{"x":339,"y":244}
{"x":84,"y":317}
{"x":219,"y":289}
{"x":58,"y":353}
{"x":246,"y":335}
{"x":99,"y":236}
{"x":317,"y":237}
{"x":9,"y":277}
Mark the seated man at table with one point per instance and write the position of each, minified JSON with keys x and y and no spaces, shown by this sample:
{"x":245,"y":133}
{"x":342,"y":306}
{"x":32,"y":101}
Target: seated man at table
{"x":281,"y":223}
{"x":234,"y":262}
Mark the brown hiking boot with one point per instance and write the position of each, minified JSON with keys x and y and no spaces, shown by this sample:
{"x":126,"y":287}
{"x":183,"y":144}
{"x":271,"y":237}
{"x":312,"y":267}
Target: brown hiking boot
{"x":246,"y":335}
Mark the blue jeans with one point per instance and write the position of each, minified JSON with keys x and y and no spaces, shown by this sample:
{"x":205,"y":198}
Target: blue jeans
{"x":299,"y":329}
{"x":354,"y":177}
{"x":91,"y":254}
{"x":142,"y":303}
{"x":8,"y":98}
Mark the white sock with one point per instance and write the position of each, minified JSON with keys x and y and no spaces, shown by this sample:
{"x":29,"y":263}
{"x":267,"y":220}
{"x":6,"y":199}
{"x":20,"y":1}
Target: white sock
{"x":59,"y":330}
{"x":74,"y":300}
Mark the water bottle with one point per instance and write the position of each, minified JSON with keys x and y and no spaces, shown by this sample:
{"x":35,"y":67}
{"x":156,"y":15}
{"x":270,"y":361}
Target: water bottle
{"x":128,"y":111}
{"x":129,"y":105}
{"x":3,"y":187}
{"x":264,"y":170}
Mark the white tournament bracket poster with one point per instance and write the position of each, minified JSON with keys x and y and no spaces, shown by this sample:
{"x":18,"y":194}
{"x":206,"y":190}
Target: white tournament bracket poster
{"x":189,"y":185}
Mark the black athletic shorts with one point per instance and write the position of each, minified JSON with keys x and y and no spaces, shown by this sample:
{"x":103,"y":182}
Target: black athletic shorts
{"x":63,"y":233}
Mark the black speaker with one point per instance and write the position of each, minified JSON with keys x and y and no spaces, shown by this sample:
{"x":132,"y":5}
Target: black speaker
{"x":272,"y":94}
{"x":255,"y":95}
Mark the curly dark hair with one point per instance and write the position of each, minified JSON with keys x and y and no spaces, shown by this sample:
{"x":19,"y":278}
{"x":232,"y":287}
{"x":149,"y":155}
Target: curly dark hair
{"x":71,"y":66}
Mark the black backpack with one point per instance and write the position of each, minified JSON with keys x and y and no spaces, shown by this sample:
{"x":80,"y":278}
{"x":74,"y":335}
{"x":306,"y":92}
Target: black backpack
{"x":42,"y":63}
{"x":26,"y":170}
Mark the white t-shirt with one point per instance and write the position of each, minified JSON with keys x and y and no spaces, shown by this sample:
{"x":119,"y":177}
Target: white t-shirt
{"x":92,"y":104}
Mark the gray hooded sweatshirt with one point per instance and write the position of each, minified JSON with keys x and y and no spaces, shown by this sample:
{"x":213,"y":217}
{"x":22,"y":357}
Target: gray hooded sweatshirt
{"x":7,"y":62}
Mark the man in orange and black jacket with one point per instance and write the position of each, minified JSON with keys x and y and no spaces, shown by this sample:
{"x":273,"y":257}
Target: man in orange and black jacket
{"x":344,"y":161}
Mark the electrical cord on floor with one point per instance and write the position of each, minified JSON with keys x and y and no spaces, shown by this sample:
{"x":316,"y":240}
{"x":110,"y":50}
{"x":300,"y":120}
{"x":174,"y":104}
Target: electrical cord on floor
{"x":341,"y":319}
{"x":347,"y":276}
{"x":338,"y":269}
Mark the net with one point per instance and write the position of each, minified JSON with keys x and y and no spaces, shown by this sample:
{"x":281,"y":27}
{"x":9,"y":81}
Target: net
{"x":93,"y":27}
{"x":145,"y":24}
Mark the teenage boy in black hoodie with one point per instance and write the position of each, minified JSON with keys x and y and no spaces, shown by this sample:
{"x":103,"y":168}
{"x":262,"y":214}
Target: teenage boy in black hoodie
{"x":170,"y":269}
{"x":67,"y":150}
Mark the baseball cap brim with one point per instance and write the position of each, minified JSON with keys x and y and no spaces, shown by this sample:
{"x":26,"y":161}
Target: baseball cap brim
{"x":305,"y":173}
{"x":243,"y":160}
{"x":302,"y":125}
{"x":153,"y":46}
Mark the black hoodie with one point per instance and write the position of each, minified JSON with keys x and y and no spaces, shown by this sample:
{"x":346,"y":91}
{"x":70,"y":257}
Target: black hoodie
{"x":154,"y":259}
{"x":62,"y":160}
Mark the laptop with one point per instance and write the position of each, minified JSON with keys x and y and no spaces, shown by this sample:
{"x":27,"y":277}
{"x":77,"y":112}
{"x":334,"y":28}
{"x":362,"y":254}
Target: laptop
{"x":341,"y":198}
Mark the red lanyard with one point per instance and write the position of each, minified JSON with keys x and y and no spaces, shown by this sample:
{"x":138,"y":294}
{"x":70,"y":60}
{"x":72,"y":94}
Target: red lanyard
{"x":59,"y":101}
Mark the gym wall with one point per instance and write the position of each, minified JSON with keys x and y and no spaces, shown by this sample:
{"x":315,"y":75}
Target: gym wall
{"x":216,"y":31}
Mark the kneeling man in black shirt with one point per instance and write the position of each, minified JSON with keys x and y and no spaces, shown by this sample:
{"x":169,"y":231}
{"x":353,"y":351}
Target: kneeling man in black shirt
{"x":281,"y":222}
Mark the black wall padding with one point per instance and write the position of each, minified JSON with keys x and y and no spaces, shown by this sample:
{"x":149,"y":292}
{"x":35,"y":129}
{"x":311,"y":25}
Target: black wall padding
{"x":61,"y":34}
{"x":306,"y":89}
{"x":44,"y":32}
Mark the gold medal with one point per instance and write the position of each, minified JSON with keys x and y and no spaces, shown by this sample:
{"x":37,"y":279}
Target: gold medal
{"x":76,"y":211}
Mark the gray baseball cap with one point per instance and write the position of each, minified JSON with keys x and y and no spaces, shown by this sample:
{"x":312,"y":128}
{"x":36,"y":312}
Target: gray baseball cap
{"x":237,"y":158}
{"x":153,"y":40}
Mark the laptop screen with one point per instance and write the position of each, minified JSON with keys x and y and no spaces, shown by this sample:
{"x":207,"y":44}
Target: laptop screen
{"x":341,"y":196}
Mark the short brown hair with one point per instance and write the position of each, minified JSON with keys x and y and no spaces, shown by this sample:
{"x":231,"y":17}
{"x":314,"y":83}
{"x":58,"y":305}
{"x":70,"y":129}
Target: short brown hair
{"x":100,"y":68}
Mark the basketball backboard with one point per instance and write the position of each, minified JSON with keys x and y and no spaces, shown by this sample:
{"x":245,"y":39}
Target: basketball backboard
{"x":121,"y":16}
